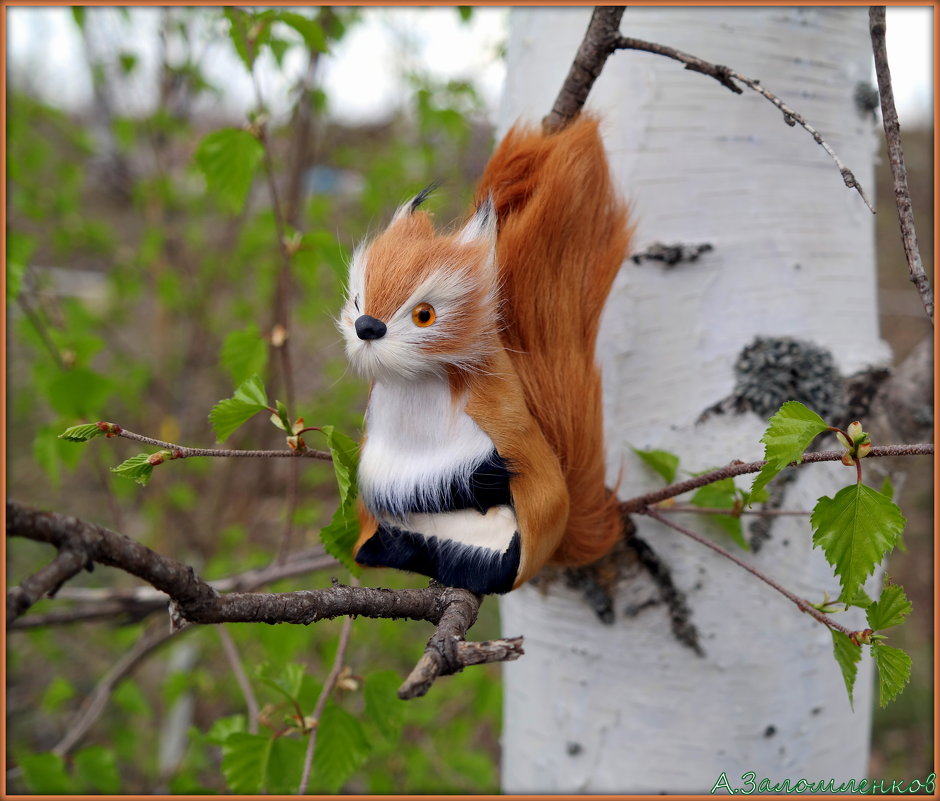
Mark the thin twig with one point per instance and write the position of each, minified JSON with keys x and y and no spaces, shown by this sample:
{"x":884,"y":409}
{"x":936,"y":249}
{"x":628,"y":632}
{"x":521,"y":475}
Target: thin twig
{"x":726,"y":77}
{"x":639,"y":503}
{"x":319,"y":706}
{"x":902,"y":194}
{"x":95,"y":703}
{"x":234,"y":661}
{"x":705,"y":510}
{"x":804,"y":606}
{"x":184,"y":452}
{"x":66,"y":564}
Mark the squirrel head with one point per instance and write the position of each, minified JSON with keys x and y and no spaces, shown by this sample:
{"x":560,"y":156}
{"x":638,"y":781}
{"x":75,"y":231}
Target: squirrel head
{"x":419,"y":303}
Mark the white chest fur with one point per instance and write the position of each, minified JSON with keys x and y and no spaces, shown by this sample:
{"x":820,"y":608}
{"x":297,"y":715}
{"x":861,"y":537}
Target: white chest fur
{"x":419,"y":440}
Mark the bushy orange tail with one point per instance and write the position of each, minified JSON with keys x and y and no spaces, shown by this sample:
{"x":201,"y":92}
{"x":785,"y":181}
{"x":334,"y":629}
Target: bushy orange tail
{"x":562,"y":238}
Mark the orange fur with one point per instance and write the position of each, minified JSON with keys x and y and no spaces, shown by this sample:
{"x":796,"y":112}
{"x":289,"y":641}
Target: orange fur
{"x":562,"y":238}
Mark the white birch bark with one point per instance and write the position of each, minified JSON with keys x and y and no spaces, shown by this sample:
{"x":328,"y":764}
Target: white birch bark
{"x":625,"y":708}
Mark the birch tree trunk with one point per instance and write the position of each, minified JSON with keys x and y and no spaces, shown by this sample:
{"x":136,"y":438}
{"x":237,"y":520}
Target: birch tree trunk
{"x":626,"y":708}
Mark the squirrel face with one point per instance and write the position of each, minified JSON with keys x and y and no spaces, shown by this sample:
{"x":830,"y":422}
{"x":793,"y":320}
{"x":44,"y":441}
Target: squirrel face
{"x":419,"y":303}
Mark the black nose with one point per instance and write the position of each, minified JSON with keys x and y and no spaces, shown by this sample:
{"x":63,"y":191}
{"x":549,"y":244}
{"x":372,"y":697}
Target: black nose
{"x":369,"y":328}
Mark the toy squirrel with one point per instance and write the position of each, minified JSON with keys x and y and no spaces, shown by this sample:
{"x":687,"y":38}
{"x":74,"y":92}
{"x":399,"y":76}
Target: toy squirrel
{"x":483,"y":457}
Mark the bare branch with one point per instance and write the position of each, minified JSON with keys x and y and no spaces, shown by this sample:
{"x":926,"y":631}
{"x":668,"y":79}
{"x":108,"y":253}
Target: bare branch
{"x":902,"y":195}
{"x":319,"y":706}
{"x":95,"y":703}
{"x":726,"y":77}
{"x":193,"y":600}
{"x":804,"y":606}
{"x":596,"y":46}
{"x":66,"y":564}
{"x":235,"y":662}
{"x":639,"y":504}
{"x":184,"y":452}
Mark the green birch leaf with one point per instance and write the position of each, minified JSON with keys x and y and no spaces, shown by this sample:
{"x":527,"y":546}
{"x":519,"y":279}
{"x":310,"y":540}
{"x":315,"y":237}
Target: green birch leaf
{"x":847,"y":655}
{"x":887,"y":488}
{"x":81,"y":433}
{"x":285,"y":766}
{"x":244,"y":353}
{"x":245,"y":760}
{"x":339,"y":537}
{"x":855,"y":529}
{"x":229,"y":414}
{"x":859,"y":599}
{"x":890,"y":609}
{"x":341,"y":748}
{"x":383,"y":707}
{"x":662,"y":462}
{"x":45,"y":774}
{"x":894,"y":671}
{"x":96,"y":770}
{"x":287,"y":681}
{"x":790,"y":432}
{"x":311,"y":30}
{"x":138,"y":468}
{"x":228,"y":159}
{"x":722,"y":495}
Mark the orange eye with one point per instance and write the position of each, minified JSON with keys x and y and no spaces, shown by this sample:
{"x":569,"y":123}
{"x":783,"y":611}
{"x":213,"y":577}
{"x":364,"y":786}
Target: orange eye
{"x":423,"y":315}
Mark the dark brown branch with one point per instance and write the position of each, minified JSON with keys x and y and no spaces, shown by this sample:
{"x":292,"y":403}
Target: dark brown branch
{"x":193,"y":600}
{"x":47,"y":580}
{"x":804,"y":606}
{"x":640,"y":503}
{"x":596,"y":46}
{"x":902,"y":194}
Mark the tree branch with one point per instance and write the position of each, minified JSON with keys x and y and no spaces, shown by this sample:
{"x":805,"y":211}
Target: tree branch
{"x":184,"y":452}
{"x":640,"y":503}
{"x":603,"y":37}
{"x":804,"y":606}
{"x":66,"y":564}
{"x":193,"y":600}
{"x":902,"y":195}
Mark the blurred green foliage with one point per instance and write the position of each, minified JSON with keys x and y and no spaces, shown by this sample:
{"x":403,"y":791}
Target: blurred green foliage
{"x":144,"y":259}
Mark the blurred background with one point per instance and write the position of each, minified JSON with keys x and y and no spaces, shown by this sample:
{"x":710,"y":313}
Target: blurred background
{"x":143,"y":283}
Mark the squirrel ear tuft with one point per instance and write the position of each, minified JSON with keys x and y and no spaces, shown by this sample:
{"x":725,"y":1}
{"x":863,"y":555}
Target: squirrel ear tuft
{"x":411,"y":206}
{"x":482,"y":225}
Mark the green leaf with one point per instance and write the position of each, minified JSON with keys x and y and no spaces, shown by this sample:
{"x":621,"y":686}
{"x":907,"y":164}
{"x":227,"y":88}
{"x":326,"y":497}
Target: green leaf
{"x":287,"y":681}
{"x":341,"y":748}
{"x":894,"y":671}
{"x":465,"y":13}
{"x":339,"y":537}
{"x":225,"y":727}
{"x":722,"y":495}
{"x":244,"y":353}
{"x":790,"y":432}
{"x":229,"y":414}
{"x":890,"y":609}
{"x":855,"y":530}
{"x":81,"y":433}
{"x":78,"y":14}
{"x":662,"y":462}
{"x":137,"y":468}
{"x":44,"y":774}
{"x":240,"y":22}
{"x":887,"y":488}
{"x":57,"y":693}
{"x":383,"y":707}
{"x":78,"y":392}
{"x":285,"y":766}
{"x":245,"y":762}
{"x":228,"y":160}
{"x":281,"y":419}
{"x":847,"y":655}
{"x":859,"y":599}
{"x":96,"y":770}
{"x":311,"y":31}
